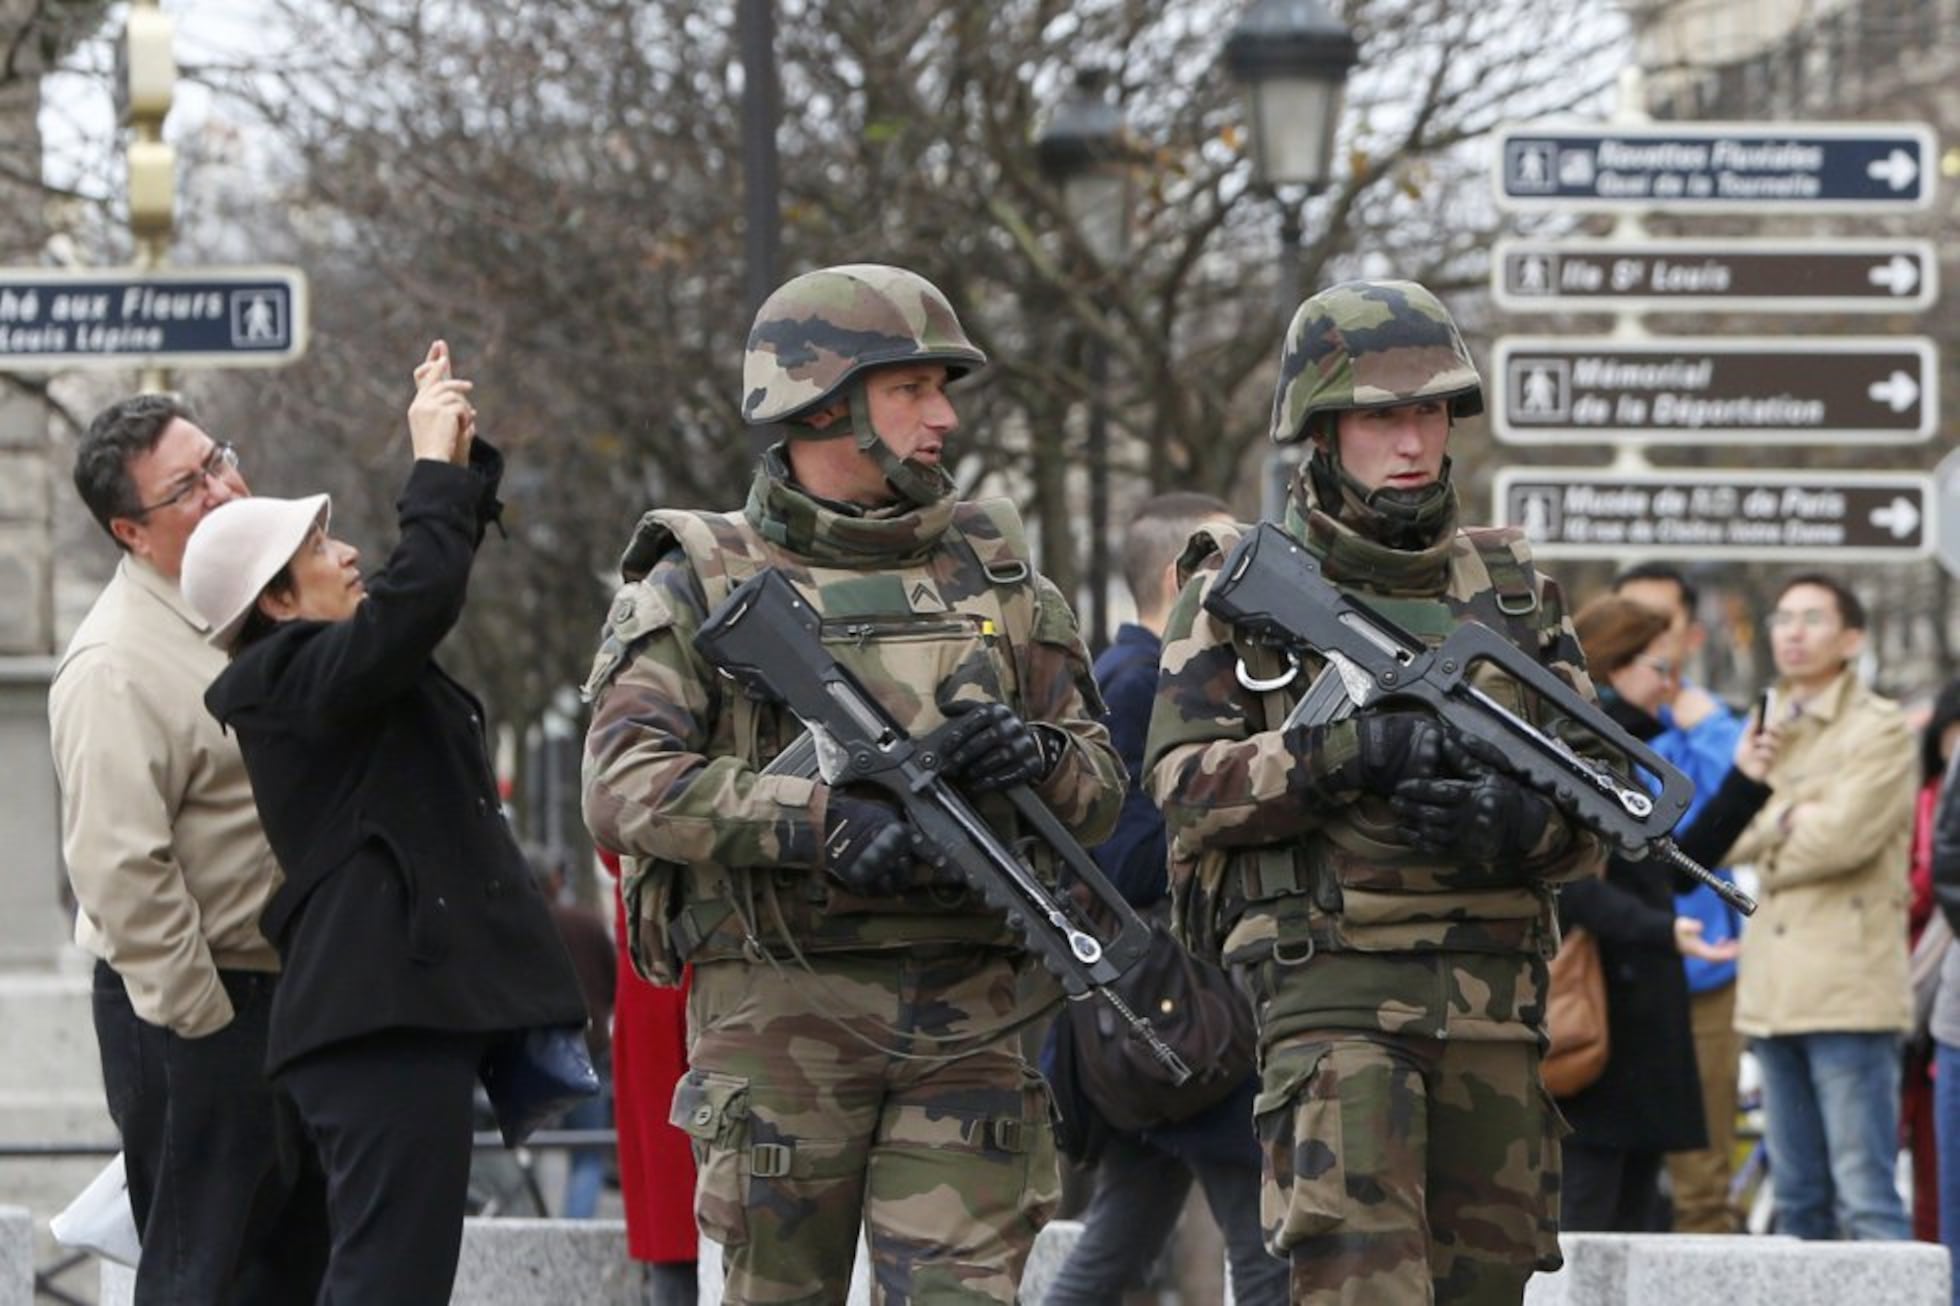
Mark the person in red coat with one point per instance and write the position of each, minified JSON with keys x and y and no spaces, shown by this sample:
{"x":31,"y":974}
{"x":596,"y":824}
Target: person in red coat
{"x":656,"y":1164}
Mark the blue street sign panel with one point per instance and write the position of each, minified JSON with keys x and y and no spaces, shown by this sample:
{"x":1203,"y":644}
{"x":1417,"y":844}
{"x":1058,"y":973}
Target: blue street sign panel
{"x":52,"y":319}
{"x":1717,"y":167}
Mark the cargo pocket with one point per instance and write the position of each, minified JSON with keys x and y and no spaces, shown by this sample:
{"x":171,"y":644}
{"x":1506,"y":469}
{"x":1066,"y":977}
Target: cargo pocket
{"x":713,"y":1111}
{"x":1303,"y":1191}
{"x":1041,"y":1182}
{"x":1551,"y":1179}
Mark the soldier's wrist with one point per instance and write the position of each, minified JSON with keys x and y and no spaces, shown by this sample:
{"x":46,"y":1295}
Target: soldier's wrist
{"x":1053,"y":741}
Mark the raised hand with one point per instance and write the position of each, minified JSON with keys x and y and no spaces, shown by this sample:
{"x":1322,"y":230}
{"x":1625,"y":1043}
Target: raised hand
{"x":441,"y":421}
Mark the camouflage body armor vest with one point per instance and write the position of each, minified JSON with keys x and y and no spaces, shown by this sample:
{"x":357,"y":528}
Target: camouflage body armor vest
{"x":1354,"y":884}
{"x":946,"y":625}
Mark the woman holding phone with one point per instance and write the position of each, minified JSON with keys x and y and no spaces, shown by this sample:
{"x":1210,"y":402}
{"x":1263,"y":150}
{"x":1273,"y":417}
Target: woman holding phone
{"x":412,"y":935}
{"x":1647,"y":1101}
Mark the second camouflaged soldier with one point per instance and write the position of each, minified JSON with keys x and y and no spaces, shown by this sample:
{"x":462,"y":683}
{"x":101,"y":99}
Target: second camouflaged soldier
{"x":1385,"y":900}
{"x":851,"y":1023}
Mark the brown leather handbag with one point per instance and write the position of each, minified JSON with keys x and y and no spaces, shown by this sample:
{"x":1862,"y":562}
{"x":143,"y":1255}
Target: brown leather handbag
{"x":1575,"y":1015}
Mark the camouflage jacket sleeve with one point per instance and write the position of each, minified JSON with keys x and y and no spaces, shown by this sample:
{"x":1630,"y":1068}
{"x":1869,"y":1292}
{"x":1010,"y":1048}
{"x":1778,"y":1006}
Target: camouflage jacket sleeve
{"x":1220,"y":777}
{"x":660,"y":779}
{"x":1058,"y":689}
{"x":1568,"y":851}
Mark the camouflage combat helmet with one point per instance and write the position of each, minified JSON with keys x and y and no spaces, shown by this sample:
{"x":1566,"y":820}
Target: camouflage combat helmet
{"x":1371,"y":344}
{"x":818,"y":334}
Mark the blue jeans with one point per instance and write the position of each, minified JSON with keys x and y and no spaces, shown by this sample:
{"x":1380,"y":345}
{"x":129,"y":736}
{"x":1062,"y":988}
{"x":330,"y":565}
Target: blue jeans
{"x":586,"y":1174}
{"x":1832,"y":1107}
{"x":1139,"y":1195}
{"x":1946,"y":1133}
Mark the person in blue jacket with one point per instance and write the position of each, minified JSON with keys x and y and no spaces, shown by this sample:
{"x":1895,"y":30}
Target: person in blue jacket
{"x":1142,"y":1178}
{"x":1698,"y":735}
{"x":413,"y":936}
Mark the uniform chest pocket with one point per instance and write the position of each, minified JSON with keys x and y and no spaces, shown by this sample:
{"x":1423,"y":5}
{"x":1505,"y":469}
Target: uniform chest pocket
{"x":911,"y":663}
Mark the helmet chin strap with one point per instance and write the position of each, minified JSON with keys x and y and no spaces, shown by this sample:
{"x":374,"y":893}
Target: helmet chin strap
{"x":1401,"y":519}
{"x":919,"y":484}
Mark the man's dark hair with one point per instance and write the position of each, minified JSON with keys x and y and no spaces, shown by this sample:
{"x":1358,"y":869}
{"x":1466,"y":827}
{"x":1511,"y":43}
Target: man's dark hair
{"x":1690,"y":596}
{"x":1850,"y":611}
{"x":1946,"y":710}
{"x":1157,"y":534}
{"x":121,"y":432}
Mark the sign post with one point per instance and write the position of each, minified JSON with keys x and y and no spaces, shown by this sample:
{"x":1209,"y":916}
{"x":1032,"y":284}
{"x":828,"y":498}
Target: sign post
{"x":51,"y":319}
{"x":1772,"y":516}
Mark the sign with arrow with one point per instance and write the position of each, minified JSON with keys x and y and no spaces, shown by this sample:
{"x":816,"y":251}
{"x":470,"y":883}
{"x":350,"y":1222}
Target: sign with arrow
{"x":1717,"y":167}
{"x":1772,"y":516}
{"x":56,"y":318}
{"x":1836,"y":275}
{"x":1716,"y":390}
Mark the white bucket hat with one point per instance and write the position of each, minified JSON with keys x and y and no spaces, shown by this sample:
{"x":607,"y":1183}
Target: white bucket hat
{"x":237,"y":549}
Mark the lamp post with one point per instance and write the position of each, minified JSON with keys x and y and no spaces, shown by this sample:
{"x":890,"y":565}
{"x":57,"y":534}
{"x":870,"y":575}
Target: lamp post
{"x":1292,"y":57}
{"x":1085,"y":149}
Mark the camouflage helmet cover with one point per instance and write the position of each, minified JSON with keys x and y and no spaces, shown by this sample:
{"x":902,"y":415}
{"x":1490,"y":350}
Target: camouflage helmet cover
{"x":1371,"y":344}
{"x":820,"y":330}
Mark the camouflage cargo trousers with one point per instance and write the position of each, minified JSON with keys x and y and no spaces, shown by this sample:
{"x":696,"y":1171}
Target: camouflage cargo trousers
{"x":1407,"y":1169}
{"x":805,"y":1123}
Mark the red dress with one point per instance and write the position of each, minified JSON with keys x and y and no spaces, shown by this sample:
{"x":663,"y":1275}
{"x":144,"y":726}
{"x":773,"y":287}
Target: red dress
{"x":656,"y":1167}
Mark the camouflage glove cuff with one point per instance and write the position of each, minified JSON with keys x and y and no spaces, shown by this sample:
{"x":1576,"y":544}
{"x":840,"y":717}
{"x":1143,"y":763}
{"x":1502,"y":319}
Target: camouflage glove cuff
{"x":866,"y":845}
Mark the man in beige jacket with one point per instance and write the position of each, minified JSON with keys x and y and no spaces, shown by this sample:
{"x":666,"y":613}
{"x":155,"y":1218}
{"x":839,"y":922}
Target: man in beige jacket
{"x":170,"y":870}
{"x":1823,"y":994}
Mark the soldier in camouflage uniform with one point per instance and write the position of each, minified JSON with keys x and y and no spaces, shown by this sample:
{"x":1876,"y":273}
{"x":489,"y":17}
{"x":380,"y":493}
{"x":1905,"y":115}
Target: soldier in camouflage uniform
{"x":851,"y":1021}
{"x":1382,"y":893}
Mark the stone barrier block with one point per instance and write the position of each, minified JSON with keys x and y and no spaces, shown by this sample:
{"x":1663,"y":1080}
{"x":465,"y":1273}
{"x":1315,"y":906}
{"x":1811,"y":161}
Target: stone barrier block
{"x":16,"y":1256}
{"x":1779,"y":1273}
{"x":525,"y":1262}
{"x":1697,"y":1270}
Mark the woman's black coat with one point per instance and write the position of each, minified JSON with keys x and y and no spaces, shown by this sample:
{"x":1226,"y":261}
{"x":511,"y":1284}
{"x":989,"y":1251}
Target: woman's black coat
{"x":406,"y":902}
{"x":1649,"y":1096}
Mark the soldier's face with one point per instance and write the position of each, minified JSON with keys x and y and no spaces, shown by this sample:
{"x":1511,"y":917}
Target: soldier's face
{"x":1399,"y":448}
{"x":910,"y":410}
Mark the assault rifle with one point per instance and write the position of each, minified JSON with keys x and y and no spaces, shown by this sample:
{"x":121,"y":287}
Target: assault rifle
{"x":768,"y":638}
{"x":1271,"y":587}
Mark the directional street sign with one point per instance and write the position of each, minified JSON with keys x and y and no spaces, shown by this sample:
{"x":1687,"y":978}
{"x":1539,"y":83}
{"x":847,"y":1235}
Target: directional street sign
{"x":1797,"y":276}
{"x":1947,"y":512}
{"x":1741,"y":167}
{"x":1716,"y":390}
{"x":1773,"y":516}
{"x":52,"y":318}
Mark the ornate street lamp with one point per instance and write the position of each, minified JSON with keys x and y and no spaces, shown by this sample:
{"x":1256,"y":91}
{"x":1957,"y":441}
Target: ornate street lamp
{"x":1292,"y":57}
{"x":1085,"y":150}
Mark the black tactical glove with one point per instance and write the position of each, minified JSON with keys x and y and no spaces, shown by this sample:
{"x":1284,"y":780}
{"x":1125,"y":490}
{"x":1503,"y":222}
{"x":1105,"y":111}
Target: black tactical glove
{"x":987,"y":747}
{"x":1482,"y":816}
{"x":1391,"y":747}
{"x":867,"y":845}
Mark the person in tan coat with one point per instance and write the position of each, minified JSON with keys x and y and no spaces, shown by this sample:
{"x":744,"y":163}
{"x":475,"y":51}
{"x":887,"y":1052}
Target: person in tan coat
{"x":1823,"y":994}
{"x":171,"y":869}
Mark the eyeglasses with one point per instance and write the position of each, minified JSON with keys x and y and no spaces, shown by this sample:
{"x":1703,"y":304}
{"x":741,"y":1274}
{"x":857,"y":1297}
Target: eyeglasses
{"x":223,"y":458}
{"x":1809,"y":618}
{"x":1662,"y":667}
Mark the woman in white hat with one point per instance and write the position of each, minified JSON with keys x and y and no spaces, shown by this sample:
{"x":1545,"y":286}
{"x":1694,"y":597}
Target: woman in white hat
{"x":413,"y":937}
